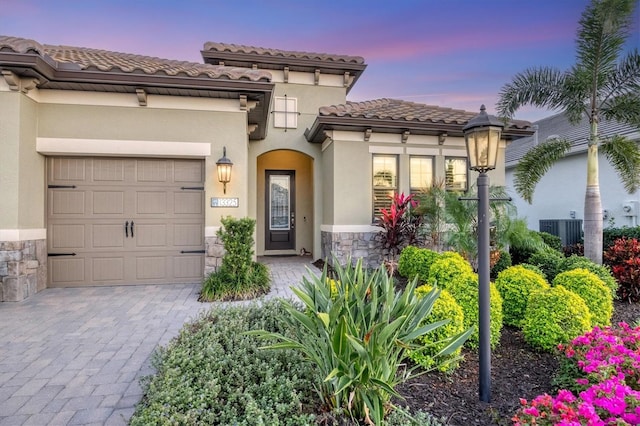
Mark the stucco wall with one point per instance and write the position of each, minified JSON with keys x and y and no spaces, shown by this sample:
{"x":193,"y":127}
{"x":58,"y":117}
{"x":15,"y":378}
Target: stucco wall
{"x":562,"y":190}
{"x":216,"y":127}
{"x":9,"y":171}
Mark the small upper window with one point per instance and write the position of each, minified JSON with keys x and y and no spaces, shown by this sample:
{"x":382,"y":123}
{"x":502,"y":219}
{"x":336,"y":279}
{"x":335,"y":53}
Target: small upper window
{"x":285,"y":112}
{"x":456,"y":173}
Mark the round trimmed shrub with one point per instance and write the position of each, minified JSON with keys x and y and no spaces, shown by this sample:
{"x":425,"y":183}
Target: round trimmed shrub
{"x":445,"y":307}
{"x":504,"y":261}
{"x":603,"y":272}
{"x":592,"y":290}
{"x":447,"y":268}
{"x":533,"y":268}
{"x":548,"y":260}
{"x":416,"y":261}
{"x":553,"y":316}
{"x":464,"y":290}
{"x":551,"y":240}
{"x":515,"y":284}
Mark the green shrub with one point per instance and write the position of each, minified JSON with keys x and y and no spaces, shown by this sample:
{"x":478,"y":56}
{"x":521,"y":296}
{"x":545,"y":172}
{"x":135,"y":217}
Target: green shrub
{"x":552,"y":241}
{"x":504,"y":261}
{"x":592,"y":290}
{"x":465,"y":291}
{"x":515,"y":285}
{"x":420,"y":418}
{"x":212,"y":373}
{"x":533,"y":268}
{"x":610,"y":235}
{"x":447,"y":268}
{"x":416,"y":261}
{"x":239,"y":277}
{"x":555,"y":315}
{"x":603,"y":272}
{"x":549,"y":261}
{"x":522,"y":249}
{"x":444,"y":308}
{"x":358,"y":339}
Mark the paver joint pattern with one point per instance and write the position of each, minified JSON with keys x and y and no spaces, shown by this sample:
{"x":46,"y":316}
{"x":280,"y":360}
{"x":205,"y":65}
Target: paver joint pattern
{"x":74,"y":356}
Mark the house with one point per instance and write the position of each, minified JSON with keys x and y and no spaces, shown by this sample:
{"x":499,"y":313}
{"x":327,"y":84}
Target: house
{"x":558,"y":201}
{"x":109,"y":167}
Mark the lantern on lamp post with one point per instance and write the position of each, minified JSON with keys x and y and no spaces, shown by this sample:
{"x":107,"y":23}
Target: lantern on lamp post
{"x":482,"y":135}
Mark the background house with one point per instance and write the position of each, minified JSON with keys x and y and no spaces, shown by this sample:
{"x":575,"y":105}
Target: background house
{"x":559,"y":196}
{"x":108,"y":173}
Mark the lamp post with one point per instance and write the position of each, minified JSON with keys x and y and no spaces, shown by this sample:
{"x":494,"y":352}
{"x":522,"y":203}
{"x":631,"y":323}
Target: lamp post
{"x":482,"y":135}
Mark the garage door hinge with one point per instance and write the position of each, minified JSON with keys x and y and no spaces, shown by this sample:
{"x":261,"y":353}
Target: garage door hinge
{"x":60,"y":254}
{"x":61,"y":186}
{"x":191,"y":251}
{"x":196,"y":188}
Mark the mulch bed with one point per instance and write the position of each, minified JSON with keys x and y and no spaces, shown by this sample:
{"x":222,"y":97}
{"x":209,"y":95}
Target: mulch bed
{"x":517,"y":371}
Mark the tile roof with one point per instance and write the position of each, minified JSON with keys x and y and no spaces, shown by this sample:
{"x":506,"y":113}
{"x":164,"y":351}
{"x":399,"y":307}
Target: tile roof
{"x":559,"y":126}
{"x":236,"y":48}
{"x":395,"y":109}
{"x":108,"y":61}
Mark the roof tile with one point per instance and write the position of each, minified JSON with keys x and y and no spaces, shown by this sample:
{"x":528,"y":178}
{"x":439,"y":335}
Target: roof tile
{"x":395,"y":109}
{"x":108,"y":61}
{"x":237,"y":48}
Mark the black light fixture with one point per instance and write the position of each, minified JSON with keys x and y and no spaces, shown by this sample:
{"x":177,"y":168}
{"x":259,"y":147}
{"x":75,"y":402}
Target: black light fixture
{"x":224,"y":169}
{"x":482,"y":135}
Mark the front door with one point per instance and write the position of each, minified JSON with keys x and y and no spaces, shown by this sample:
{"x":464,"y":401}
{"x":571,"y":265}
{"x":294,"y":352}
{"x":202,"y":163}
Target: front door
{"x":280,"y":210}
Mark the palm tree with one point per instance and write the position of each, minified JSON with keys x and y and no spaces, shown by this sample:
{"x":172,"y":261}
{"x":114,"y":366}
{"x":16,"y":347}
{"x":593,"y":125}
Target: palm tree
{"x":602,"y":84}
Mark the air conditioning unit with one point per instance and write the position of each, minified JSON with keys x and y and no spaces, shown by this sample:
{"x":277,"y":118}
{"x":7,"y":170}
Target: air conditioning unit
{"x":569,"y":230}
{"x":630,"y":208}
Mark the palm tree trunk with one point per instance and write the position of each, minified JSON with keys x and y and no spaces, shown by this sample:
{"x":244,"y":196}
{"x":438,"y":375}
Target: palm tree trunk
{"x":592,"y":202}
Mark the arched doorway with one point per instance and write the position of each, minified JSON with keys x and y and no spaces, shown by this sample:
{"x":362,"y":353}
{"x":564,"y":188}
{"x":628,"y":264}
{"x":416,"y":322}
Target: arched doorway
{"x":285,"y":203}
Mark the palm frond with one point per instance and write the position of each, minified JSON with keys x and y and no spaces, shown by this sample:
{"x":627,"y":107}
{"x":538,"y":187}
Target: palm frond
{"x":624,"y":108}
{"x":625,"y":79}
{"x":534,"y":86}
{"x":535,"y":163}
{"x":603,"y":29}
{"x":624,"y":156}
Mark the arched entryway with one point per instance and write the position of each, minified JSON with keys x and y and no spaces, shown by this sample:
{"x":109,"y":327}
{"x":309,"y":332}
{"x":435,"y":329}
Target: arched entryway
{"x":284,"y":203}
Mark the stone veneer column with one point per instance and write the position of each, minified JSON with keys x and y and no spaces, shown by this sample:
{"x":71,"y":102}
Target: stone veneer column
{"x":356,"y":245}
{"x":23,"y":269}
{"x":214,"y":251}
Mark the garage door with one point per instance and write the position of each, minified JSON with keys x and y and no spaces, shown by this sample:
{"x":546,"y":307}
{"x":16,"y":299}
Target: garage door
{"x":113,"y":221}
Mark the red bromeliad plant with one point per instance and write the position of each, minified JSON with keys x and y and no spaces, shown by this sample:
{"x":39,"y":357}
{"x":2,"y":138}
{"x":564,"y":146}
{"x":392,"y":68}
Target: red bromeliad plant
{"x":400,"y":224}
{"x":624,"y":259}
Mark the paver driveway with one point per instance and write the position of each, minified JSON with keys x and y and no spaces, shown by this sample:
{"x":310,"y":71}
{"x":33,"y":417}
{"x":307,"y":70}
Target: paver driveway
{"x":74,"y":356}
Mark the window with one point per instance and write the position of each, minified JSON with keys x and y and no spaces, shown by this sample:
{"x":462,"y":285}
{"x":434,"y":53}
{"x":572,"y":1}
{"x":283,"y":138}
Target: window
{"x":455,"y":173}
{"x":420,"y":173}
{"x":285,"y":112}
{"x":385,"y":181}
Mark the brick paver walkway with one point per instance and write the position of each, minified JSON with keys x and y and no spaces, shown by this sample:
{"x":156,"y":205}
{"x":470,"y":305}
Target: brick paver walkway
{"x":74,"y":356}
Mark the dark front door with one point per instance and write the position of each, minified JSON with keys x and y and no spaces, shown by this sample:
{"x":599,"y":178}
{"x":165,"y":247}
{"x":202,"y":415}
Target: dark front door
{"x":280,"y":210}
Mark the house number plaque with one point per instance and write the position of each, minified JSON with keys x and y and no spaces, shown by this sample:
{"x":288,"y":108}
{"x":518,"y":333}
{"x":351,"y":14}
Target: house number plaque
{"x":224,"y":202}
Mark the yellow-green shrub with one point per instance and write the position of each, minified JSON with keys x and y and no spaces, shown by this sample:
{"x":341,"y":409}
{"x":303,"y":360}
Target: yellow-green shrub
{"x":602,"y":271}
{"x":464,"y":290}
{"x":444,"y":308}
{"x":555,"y":315}
{"x":592,"y":290}
{"x":416,"y":261}
{"x":448,"y":267}
{"x":515,"y":284}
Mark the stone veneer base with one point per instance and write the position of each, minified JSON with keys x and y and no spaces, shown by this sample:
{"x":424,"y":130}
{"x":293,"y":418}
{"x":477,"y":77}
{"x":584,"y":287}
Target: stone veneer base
{"x":23,"y":269}
{"x":214,"y":251}
{"x":353,"y":245}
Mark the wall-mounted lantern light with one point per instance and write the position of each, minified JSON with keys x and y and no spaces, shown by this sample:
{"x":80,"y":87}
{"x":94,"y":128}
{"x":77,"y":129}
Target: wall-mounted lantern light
{"x":224,"y":169}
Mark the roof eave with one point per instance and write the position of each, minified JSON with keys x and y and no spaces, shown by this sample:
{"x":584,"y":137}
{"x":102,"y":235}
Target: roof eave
{"x":322,"y":124}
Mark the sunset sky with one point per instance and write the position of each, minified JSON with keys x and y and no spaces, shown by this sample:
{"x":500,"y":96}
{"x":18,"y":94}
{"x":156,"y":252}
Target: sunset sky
{"x":451,"y":53}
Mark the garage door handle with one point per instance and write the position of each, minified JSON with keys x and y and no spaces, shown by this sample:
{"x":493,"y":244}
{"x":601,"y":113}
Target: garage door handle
{"x":131,"y":229}
{"x":126,"y":229}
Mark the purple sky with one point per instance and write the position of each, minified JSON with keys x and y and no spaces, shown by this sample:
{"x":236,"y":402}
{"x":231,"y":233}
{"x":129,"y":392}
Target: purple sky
{"x":451,"y":53}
